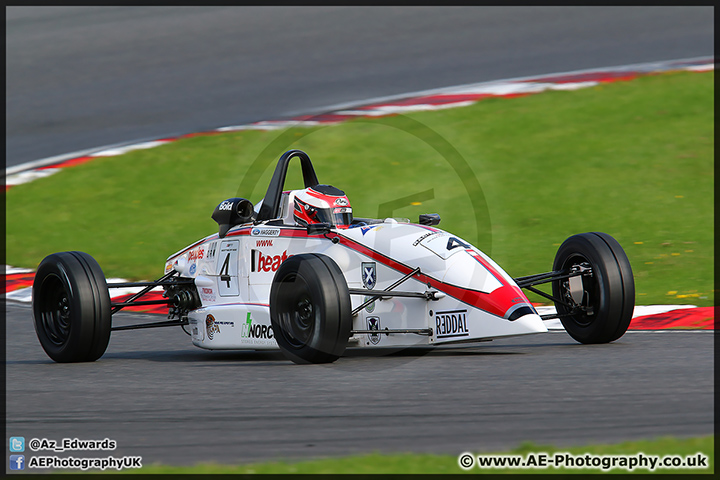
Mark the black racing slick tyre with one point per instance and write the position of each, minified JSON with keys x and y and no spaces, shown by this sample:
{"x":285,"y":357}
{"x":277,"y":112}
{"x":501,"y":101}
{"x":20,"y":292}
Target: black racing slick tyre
{"x":310,"y":309}
{"x":601,"y":311}
{"x":71,"y":307}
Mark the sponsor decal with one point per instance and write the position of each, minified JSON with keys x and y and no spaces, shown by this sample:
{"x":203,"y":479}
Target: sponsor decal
{"x":193,"y":269}
{"x":265,"y":232}
{"x":229,"y":246}
{"x":195,"y":331}
{"x":211,"y":250}
{"x":369,"y":275}
{"x":367,"y":228}
{"x":424,"y":236}
{"x":342,"y":202}
{"x":370,"y":308}
{"x":266,"y":263}
{"x":263,"y":243}
{"x":168,"y":267}
{"x":249,"y":330}
{"x":373,"y":323}
{"x":211,"y":327}
{"x":207,"y":294}
{"x":441,"y":244}
{"x":342,"y":210}
{"x":196,"y":254}
{"x":225,"y":205}
{"x":451,"y":323}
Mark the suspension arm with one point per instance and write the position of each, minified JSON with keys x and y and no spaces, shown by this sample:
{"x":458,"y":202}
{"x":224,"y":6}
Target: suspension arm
{"x":416,"y":331}
{"x":167,"y":323}
{"x":540,"y":278}
{"x":142,"y":292}
{"x":375,"y":298}
{"x":549,"y":297}
{"x":141,"y":302}
{"x":157,"y":283}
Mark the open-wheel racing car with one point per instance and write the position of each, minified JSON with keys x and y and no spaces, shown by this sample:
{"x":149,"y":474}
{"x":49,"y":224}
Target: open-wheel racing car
{"x":299,"y":272}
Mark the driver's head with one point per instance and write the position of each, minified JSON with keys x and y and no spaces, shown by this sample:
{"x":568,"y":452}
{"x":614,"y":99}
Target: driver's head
{"x":322,"y":204}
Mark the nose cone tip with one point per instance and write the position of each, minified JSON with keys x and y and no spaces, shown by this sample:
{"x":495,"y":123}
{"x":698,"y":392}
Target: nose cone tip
{"x":532,"y":322}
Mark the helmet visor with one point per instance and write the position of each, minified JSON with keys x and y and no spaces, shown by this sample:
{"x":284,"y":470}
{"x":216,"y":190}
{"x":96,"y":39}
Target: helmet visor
{"x":338,"y":216}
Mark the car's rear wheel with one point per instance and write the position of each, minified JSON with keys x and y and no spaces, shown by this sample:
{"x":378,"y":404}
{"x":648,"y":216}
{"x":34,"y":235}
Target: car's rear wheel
{"x":310,"y":309}
{"x":71,"y":307}
{"x":597,"y":306}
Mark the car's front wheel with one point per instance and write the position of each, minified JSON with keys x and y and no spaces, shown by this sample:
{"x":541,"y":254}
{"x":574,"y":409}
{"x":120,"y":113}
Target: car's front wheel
{"x":597,"y":306}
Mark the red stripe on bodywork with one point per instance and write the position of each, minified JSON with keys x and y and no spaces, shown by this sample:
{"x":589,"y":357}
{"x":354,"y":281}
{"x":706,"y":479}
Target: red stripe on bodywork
{"x":497,"y":303}
{"x":489,"y":267}
{"x":199,"y":242}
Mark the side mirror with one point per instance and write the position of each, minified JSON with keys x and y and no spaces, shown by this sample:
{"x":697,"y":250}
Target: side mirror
{"x":318,"y":228}
{"x":231,"y":212}
{"x":429,"y":219}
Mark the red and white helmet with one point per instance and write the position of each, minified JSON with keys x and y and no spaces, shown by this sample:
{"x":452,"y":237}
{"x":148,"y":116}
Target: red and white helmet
{"x":322,"y":204}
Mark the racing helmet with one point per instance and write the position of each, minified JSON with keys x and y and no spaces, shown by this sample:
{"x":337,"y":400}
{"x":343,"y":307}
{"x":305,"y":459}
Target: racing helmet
{"x":322,"y":204}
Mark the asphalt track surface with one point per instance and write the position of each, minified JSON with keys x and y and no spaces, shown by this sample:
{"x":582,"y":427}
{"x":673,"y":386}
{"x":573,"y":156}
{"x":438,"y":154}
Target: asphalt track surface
{"x":162,"y":398}
{"x":85,"y":77}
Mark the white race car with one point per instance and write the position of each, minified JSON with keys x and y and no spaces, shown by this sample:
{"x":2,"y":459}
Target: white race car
{"x":298,"y":272}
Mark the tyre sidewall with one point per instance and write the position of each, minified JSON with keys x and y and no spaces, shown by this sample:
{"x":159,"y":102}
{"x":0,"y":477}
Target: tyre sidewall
{"x":89,"y":320}
{"x":331,"y":303}
{"x":609,"y":302}
{"x":102,"y":316}
{"x":628,"y":284}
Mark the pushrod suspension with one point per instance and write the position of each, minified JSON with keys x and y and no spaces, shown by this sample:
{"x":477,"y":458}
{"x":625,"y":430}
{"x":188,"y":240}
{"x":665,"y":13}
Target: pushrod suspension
{"x":376,"y":295}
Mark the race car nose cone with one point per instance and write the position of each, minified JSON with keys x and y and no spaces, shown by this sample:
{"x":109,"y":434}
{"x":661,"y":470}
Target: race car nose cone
{"x":517,"y":311}
{"x":532,"y":323}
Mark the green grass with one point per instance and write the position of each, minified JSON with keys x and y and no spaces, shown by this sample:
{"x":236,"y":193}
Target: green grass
{"x":408,"y":463}
{"x":514,"y":176}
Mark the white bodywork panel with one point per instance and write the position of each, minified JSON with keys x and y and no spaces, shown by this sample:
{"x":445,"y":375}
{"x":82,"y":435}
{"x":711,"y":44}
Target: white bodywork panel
{"x":234,"y":274}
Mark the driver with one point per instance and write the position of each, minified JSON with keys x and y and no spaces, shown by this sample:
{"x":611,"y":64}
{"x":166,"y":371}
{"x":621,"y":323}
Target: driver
{"x":322,"y":204}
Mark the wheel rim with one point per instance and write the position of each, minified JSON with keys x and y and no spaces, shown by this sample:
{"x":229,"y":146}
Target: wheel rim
{"x":55,"y":310}
{"x":296,"y":313}
{"x":591,"y":293}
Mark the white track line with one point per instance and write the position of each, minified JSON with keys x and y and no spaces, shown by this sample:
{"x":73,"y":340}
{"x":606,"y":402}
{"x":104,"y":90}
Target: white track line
{"x":518,"y":83}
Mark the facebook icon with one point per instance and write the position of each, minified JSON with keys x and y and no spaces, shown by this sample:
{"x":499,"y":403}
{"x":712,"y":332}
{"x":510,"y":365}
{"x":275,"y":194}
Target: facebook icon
{"x":17,"y":462}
